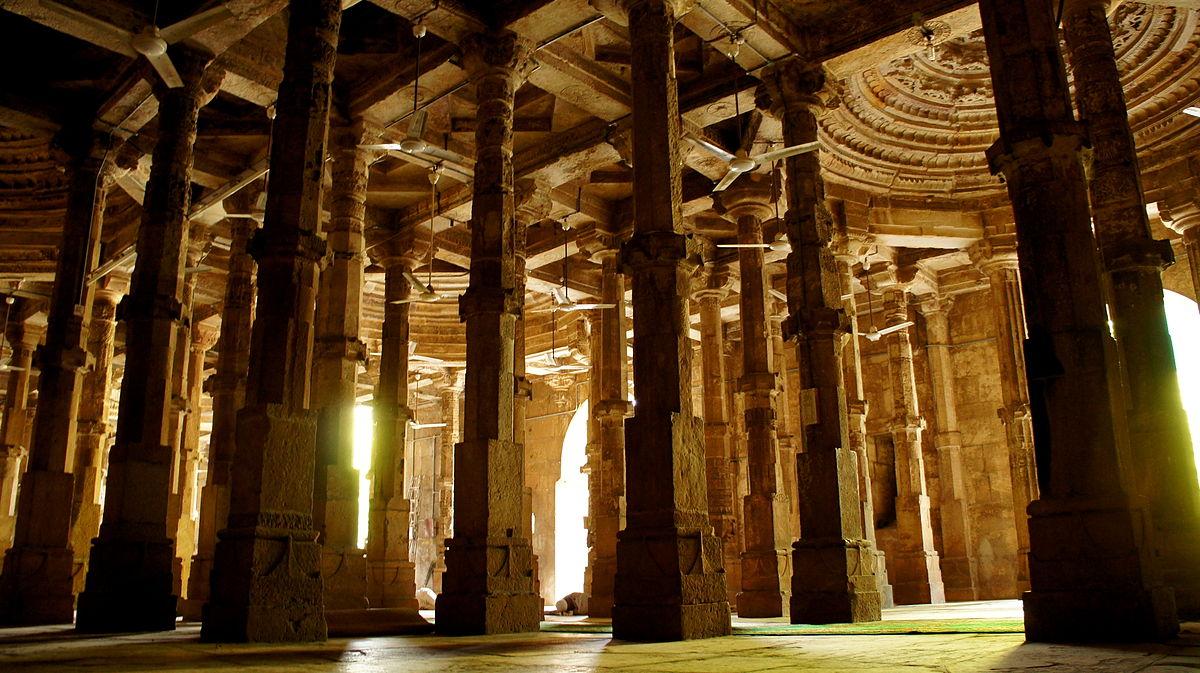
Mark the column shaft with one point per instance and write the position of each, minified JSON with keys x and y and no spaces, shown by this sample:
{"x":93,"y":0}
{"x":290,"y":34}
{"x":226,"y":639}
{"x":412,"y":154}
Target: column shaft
{"x":451,"y":408}
{"x":270,"y":510}
{"x":14,"y":452}
{"x":1084,"y":585}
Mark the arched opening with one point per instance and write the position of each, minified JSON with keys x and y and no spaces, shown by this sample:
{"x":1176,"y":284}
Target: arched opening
{"x":1183,"y":321}
{"x":571,"y":507}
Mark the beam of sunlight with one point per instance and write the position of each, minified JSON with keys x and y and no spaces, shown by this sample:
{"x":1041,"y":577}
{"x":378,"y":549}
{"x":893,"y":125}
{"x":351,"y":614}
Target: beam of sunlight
{"x":1183,"y":321}
{"x":364,"y":436}
{"x":570,"y":508}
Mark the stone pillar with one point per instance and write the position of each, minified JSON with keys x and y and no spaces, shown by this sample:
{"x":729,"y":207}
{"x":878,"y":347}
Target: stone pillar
{"x":764,"y":559}
{"x":270,"y":510}
{"x":228,"y":389}
{"x":833,"y":578}
{"x":1164,"y":465}
{"x":670,"y":583}
{"x":1181,"y":212}
{"x":960,"y":576}
{"x":997,"y":258}
{"x":451,"y":406}
{"x":14,"y":452}
{"x":488,"y":524}
{"x":337,"y":352}
{"x":718,"y":447}
{"x":856,"y":418}
{"x":916,"y":572}
{"x":36,"y":585}
{"x":391,"y":578}
{"x":186,"y":532}
{"x":93,"y":431}
{"x":1092,"y":570}
{"x":786,"y":402}
{"x":606,"y":512}
{"x":129,"y":584}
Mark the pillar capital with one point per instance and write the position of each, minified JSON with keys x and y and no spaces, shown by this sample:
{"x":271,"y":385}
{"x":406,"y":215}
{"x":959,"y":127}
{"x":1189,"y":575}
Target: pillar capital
{"x":1071,"y":7}
{"x":531,"y":197}
{"x":990,"y":256}
{"x":1180,"y":209}
{"x":501,"y":51}
{"x":200,"y":82}
{"x":795,"y":85}
{"x":620,"y":11}
{"x":750,"y":196}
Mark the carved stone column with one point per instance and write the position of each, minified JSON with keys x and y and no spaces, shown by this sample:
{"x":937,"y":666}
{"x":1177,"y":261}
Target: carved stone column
{"x":717,"y":441}
{"x":91,"y":447}
{"x":856,"y":416}
{"x":1181,"y":212}
{"x":997,"y":258}
{"x":23,"y":340}
{"x":916,"y":572}
{"x":337,"y":352}
{"x":786,"y":425}
{"x":36,"y":585}
{"x":129,"y":584}
{"x":477,"y":596}
{"x":606,"y":512}
{"x":451,"y":407}
{"x":391,"y":579}
{"x":228,"y":389}
{"x":833,"y":578}
{"x":270,"y":510}
{"x":960,"y":574}
{"x":1159,"y":438}
{"x":187,"y":530}
{"x":764,"y":566}
{"x":1084,"y":585}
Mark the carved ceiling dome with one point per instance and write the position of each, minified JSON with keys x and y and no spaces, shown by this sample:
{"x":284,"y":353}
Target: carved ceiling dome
{"x":921,"y":124}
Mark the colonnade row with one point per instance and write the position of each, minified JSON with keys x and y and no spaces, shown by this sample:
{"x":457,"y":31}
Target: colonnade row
{"x":1111,"y":532}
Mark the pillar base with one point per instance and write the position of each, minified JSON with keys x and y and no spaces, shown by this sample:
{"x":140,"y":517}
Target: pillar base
{"x":35,"y":588}
{"x":669,"y":586}
{"x":377,"y":622}
{"x":600,"y":599}
{"x":1093,"y":575}
{"x":833,"y":582}
{"x":882,"y":585}
{"x":392,"y":584}
{"x":1180,"y":561}
{"x":192,"y":607}
{"x":87,"y":524}
{"x":128,"y":587}
{"x":957,"y":574}
{"x":488,"y":588}
{"x":344,"y":573}
{"x":925,"y":585}
{"x":266,"y":575}
{"x":766,"y":572}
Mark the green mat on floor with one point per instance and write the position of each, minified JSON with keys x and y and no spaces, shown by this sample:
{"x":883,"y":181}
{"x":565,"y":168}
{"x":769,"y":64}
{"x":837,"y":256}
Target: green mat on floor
{"x":864,"y":629}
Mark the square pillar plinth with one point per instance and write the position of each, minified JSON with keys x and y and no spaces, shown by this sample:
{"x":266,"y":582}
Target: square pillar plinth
{"x":670,"y":585}
{"x":35,"y":587}
{"x":833,"y":582}
{"x":266,"y":576}
{"x":1091,"y":576}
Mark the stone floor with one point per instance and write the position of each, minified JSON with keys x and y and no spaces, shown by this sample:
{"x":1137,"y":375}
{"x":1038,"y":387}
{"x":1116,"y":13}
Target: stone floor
{"x":59,"y":649}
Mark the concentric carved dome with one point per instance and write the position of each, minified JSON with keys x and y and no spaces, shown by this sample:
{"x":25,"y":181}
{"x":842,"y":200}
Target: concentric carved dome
{"x":920,"y":125}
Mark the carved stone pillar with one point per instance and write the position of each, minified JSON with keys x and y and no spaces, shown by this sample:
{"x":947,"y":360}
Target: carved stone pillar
{"x":187,"y":531}
{"x":997,"y":258}
{"x":129,"y":584}
{"x":391,"y":579}
{"x":337,"y":352}
{"x":1161,"y":443}
{"x":36,"y":585}
{"x":1084,"y":585}
{"x":228,"y":389}
{"x":14,"y":452}
{"x":488,"y":520}
{"x":670,"y":584}
{"x":270,"y":510}
{"x":764,"y":566}
{"x":786,"y":425}
{"x":856,"y":416}
{"x":717,"y":441}
{"x":607,"y":480}
{"x":451,"y":407}
{"x":91,"y":447}
{"x":960,"y":574}
{"x":916,"y":572}
{"x":833,"y":578}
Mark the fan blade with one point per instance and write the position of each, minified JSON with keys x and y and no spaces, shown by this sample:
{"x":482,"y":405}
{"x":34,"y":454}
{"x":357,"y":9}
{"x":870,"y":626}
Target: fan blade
{"x":257,"y":217}
{"x":112,"y":35}
{"x":777,"y":294}
{"x":783,"y":153}
{"x":588,"y":307}
{"x":895,"y":328}
{"x":726,"y":181}
{"x":462,"y":163}
{"x":195,"y":23}
{"x":10,"y":368}
{"x":391,"y":147}
{"x":711,"y":147}
{"x":760,"y":246}
{"x":415,"y":283}
{"x":166,"y":70}
{"x":416,"y":127}
{"x":424,"y":426}
{"x":199,"y":268}
{"x":410,"y":300}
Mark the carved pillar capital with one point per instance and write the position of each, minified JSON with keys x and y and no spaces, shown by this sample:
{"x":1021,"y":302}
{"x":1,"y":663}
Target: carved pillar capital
{"x":750,"y":196}
{"x":794,"y":85}
{"x":500,"y":52}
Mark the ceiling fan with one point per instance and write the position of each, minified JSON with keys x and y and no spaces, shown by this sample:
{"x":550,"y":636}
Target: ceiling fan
{"x":425,"y":293}
{"x":421,"y":426}
{"x":152,"y":41}
{"x":414,"y":147}
{"x":875,"y":334}
{"x":7,"y":367}
{"x":561,"y":296}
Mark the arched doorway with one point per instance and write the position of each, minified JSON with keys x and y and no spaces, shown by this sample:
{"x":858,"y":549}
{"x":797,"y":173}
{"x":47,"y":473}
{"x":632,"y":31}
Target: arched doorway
{"x":571,"y":507}
{"x":1183,"y":320}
